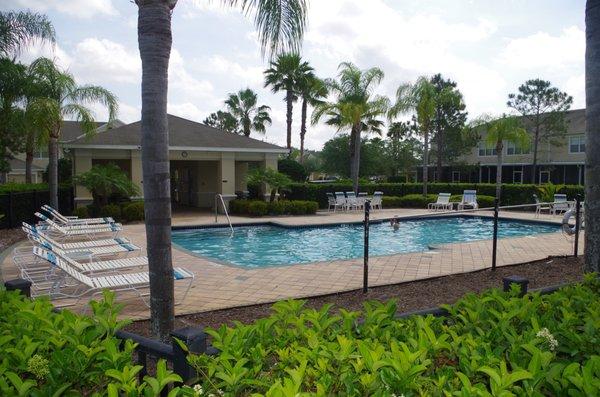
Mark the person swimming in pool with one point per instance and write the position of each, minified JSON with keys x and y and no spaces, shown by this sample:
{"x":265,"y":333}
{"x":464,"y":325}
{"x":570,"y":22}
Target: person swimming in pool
{"x":395,"y":223}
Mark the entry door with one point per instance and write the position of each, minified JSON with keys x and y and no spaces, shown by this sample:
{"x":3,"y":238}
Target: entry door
{"x":544,"y":177}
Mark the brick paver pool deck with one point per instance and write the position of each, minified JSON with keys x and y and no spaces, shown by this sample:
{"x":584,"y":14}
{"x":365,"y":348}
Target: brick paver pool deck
{"x":219,"y":286}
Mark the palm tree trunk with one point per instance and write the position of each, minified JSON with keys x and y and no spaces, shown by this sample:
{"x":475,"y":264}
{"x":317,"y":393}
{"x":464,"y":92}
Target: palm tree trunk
{"x":154,"y":39}
{"x":53,"y":169}
{"x":425,"y":160}
{"x":440,"y":145}
{"x":355,"y":156}
{"x":592,"y":137}
{"x":289,"y":96}
{"x":498,"y":169}
{"x":303,"y":130}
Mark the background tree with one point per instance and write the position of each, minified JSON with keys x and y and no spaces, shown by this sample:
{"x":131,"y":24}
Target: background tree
{"x":19,"y":29}
{"x":103,"y":181}
{"x":292,"y":168}
{"x":248,"y":115}
{"x":224,"y":121}
{"x":285,"y":74}
{"x":423,"y":98}
{"x":273,"y":179}
{"x":592,"y":136}
{"x":64,"y":100}
{"x":280,"y":28}
{"x":336,"y":151}
{"x":312,"y":91}
{"x":543,"y":108}
{"x":498,"y":131}
{"x":448,"y":140}
{"x":356,"y":107}
{"x":403,"y":149}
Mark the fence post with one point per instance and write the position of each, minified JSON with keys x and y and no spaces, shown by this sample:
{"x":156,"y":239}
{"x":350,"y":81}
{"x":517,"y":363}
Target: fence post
{"x":19,"y":284}
{"x":194,"y":338}
{"x":495,"y":238}
{"x":577,"y":224}
{"x":366,"y":248}
{"x":9,"y":215}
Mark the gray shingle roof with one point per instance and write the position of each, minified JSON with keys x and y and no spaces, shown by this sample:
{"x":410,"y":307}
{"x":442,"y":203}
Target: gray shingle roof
{"x":182,"y":133}
{"x":19,"y":165}
{"x":71,"y":130}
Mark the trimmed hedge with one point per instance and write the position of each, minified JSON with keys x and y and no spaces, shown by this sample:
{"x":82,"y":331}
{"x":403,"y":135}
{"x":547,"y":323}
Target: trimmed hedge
{"x":111,"y":211}
{"x":512,"y":194}
{"x":282,"y":207}
{"x":133,"y":211}
{"x":418,"y":201}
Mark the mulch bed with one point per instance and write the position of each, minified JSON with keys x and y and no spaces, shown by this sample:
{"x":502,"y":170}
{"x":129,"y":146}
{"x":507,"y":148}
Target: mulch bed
{"x":10,"y":236}
{"x":415,"y":295}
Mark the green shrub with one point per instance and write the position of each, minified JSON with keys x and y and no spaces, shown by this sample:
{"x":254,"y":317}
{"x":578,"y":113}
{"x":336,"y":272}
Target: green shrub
{"x":391,"y":202}
{"x":311,"y":207}
{"x":297,"y":207}
{"x":258,"y":208}
{"x":277,"y":207}
{"x":59,"y":353}
{"x":22,"y":187}
{"x":416,"y":200}
{"x":493,"y":344}
{"x":239,"y":207}
{"x":133,"y":211}
{"x":111,"y":210}
{"x":81,"y":212}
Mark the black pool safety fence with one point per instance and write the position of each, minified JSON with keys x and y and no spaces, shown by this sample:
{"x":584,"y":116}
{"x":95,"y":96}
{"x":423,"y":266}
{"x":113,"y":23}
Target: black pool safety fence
{"x":18,"y":207}
{"x":569,"y":214}
{"x":149,"y":350}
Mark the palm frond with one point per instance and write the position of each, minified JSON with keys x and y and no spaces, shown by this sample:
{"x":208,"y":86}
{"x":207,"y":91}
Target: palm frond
{"x":82,"y":114}
{"x":92,"y":93}
{"x":22,"y":28}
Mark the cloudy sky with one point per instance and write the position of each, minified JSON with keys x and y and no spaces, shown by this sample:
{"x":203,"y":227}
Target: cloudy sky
{"x":489,"y":47}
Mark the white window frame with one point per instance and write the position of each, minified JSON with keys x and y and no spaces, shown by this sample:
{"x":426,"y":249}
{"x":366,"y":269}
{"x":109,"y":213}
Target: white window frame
{"x":455,"y":179}
{"x":516,"y":150}
{"x":520,"y":179}
{"x":488,"y":150}
{"x":580,"y":144}
{"x":540,"y":176}
{"x":37,"y":154}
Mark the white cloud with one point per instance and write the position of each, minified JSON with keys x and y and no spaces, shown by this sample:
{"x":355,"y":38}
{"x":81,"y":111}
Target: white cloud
{"x":186,"y":110}
{"x":98,"y":60}
{"x":575,"y":86}
{"x":76,"y":8}
{"x":542,"y":50}
{"x":219,"y":64}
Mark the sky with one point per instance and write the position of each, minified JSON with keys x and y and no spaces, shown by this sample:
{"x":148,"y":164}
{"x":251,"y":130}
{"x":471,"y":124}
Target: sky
{"x":488,"y":47}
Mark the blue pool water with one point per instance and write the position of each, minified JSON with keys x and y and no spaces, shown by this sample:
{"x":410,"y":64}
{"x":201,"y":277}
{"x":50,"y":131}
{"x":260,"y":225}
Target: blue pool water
{"x":259,"y":246}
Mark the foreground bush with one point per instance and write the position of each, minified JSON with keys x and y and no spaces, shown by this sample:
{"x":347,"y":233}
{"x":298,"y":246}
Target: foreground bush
{"x":281,"y":207}
{"x":47,"y":353}
{"x":496,"y":344}
{"x":133,"y":211}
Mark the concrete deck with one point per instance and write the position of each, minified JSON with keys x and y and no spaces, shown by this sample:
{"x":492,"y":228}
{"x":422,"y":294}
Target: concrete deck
{"x":219,"y":286}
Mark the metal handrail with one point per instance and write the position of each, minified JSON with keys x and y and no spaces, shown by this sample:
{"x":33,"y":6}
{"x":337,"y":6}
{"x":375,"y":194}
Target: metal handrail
{"x":220,"y":196}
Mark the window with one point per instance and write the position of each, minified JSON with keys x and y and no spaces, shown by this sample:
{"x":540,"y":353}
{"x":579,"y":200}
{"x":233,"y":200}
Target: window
{"x":487,"y":150}
{"x":41,"y":154}
{"x":577,"y":144}
{"x":512,"y":149}
{"x":455,"y":176}
{"x":544,"y":177}
{"x":517,"y":176}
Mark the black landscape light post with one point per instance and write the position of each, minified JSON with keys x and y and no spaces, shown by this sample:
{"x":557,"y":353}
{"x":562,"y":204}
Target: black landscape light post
{"x":366,"y":248}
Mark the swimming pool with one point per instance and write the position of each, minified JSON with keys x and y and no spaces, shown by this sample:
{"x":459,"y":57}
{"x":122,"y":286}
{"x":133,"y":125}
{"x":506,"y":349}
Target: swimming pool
{"x":260,"y":246}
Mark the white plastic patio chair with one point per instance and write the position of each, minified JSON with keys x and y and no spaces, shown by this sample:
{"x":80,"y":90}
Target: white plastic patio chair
{"x":333,"y":203}
{"x":442,"y":203}
{"x":541,"y":207}
{"x":377,"y":200}
{"x":85,"y":231}
{"x":469,"y":200}
{"x":560,"y":204}
{"x":340,"y":199}
{"x":89,"y":285}
{"x":73,"y":220}
{"x":351,"y":201}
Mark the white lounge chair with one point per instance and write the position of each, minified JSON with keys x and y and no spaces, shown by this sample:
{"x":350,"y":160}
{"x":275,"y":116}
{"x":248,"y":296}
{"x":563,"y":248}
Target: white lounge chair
{"x":88,"y":285}
{"x":541,"y":207}
{"x":377,"y":200}
{"x":560,"y":204}
{"x":442,"y":203}
{"x":469,"y":200}
{"x":85,"y":231}
{"x":73,"y":220}
{"x":82,"y":250}
{"x":85,"y":243}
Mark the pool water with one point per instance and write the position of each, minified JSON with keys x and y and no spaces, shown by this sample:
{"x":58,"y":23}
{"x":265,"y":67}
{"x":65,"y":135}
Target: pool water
{"x":260,"y":246}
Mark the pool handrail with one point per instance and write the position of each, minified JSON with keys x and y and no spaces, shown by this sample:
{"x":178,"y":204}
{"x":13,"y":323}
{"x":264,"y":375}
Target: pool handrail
{"x":220,"y":196}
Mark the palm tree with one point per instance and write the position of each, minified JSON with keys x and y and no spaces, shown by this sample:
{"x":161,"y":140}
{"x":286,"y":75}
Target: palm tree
{"x":285,"y":74}
{"x":422,"y":97}
{"x":280,"y":27}
{"x":498,"y":131}
{"x":64,"y":99}
{"x":312,"y":91}
{"x":242,"y":106}
{"x":20,"y":28}
{"x":224,"y":121}
{"x":356,"y":107}
{"x":592,"y":136}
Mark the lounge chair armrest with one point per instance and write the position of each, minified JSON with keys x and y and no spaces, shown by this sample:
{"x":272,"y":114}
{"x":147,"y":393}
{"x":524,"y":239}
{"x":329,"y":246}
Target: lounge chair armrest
{"x":72,"y":217}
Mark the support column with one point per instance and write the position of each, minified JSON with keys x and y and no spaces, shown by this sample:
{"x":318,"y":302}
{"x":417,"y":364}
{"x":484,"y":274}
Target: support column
{"x":136,"y":170}
{"x":82,"y":163}
{"x":226,"y":182}
{"x":241,"y":171}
